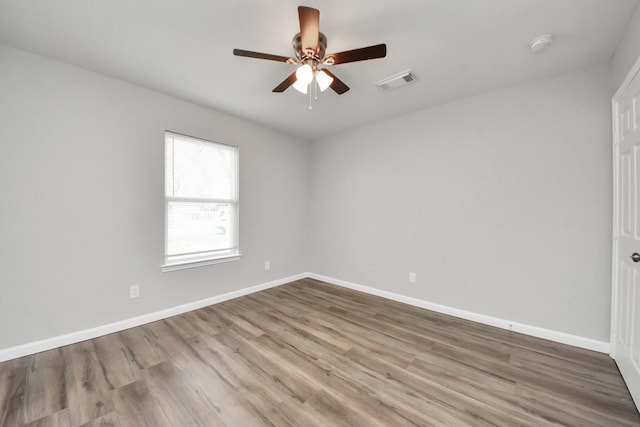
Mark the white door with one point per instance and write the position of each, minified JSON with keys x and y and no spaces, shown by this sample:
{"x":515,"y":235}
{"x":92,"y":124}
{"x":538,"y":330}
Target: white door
{"x":625,"y":330}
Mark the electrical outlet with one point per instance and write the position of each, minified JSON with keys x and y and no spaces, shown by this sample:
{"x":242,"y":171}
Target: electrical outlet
{"x":412,"y":277}
{"x":267,"y":265}
{"x":134,"y":291}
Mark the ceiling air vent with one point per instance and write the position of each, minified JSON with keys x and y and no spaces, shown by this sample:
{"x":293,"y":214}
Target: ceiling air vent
{"x":397,"y":80}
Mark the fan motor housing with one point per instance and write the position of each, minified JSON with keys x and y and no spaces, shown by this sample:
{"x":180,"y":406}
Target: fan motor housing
{"x":317,"y":55}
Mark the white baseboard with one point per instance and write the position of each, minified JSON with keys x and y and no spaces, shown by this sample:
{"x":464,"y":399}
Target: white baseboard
{"x":74,"y":337}
{"x":560,"y":337}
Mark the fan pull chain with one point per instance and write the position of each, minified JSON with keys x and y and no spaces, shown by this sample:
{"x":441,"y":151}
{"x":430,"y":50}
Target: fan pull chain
{"x":310,"y":96}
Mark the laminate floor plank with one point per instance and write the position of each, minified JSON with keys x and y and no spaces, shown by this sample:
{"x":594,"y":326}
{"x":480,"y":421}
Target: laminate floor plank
{"x":402,"y":387}
{"x":401,"y":341}
{"x":242,"y":374}
{"x":200,"y":322}
{"x":472,"y":377}
{"x":229,"y":402}
{"x":361,"y":333}
{"x":181,"y":403}
{"x":306,"y":343}
{"x":312,"y":332}
{"x":482,"y":402}
{"x":173,"y":346}
{"x":368,"y":339}
{"x":143,"y":348}
{"x":344,"y":414}
{"x":372,"y":384}
{"x":418,"y":408}
{"x":238,"y":323}
{"x":209,"y":377}
{"x":108,"y":420}
{"x":243,"y":305}
{"x":181,"y":326}
{"x":118,"y":365}
{"x":57,"y":419}
{"x":290,"y":413}
{"x":447,"y":335}
{"x":137,"y":407}
{"x":314,"y":354}
{"x":591,"y":402}
{"x":87,"y":389}
{"x":603,"y":378}
{"x":331,"y":297}
{"x":563,"y":411}
{"x":323,"y":378}
{"x":13,"y":377}
{"x":285,"y":380}
{"x":45,"y":386}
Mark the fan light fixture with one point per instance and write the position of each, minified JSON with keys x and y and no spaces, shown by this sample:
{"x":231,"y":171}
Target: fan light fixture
{"x":301,"y":87}
{"x":305,"y":76}
{"x":324,"y":80}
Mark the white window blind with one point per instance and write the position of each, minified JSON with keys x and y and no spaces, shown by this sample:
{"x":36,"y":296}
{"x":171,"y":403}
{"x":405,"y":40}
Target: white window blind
{"x":201,"y":200}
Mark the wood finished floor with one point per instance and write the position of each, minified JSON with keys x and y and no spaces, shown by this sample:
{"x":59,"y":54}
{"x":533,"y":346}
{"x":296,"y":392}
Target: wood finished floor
{"x":312,"y":354}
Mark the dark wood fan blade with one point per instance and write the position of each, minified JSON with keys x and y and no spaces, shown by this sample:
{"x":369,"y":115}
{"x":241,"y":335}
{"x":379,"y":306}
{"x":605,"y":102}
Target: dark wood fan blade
{"x":309,"y":27}
{"x":362,"y":54}
{"x":337,"y":85}
{"x":250,"y":54}
{"x":286,"y":83}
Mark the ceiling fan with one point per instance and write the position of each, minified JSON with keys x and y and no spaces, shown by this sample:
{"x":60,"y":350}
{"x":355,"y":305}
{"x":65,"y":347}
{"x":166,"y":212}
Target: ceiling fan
{"x":309,"y":46}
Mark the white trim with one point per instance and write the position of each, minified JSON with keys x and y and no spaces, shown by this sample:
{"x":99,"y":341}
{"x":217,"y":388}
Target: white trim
{"x":560,"y":337}
{"x":199,"y":263}
{"x":614,"y":230}
{"x":74,"y":337}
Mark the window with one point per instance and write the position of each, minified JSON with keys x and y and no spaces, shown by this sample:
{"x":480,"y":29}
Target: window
{"x":201,"y":202}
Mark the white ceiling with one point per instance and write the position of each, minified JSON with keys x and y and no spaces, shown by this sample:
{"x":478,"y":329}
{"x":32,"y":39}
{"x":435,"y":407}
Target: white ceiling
{"x":456,"y":48}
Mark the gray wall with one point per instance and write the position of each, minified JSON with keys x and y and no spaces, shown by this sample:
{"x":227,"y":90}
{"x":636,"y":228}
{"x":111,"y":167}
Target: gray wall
{"x":501,"y":204}
{"x":628,"y":49}
{"x":82,"y":214}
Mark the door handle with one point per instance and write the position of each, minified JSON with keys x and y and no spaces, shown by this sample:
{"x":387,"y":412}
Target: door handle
{"x":635,"y":257}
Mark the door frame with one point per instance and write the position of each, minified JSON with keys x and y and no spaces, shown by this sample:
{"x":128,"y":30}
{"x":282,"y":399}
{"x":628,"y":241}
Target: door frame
{"x":635,"y":70}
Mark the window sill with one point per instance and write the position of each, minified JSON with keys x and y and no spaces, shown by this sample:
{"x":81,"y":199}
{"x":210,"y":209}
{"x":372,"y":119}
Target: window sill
{"x":199,"y":263}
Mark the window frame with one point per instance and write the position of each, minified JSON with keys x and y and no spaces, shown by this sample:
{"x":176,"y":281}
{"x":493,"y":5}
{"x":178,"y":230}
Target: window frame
{"x":201,"y":258}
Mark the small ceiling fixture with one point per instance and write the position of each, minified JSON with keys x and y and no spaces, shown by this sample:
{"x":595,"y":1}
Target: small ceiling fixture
{"x":540,"y":43}
{"x":309,"y":46}
{"x":397,"y":80}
